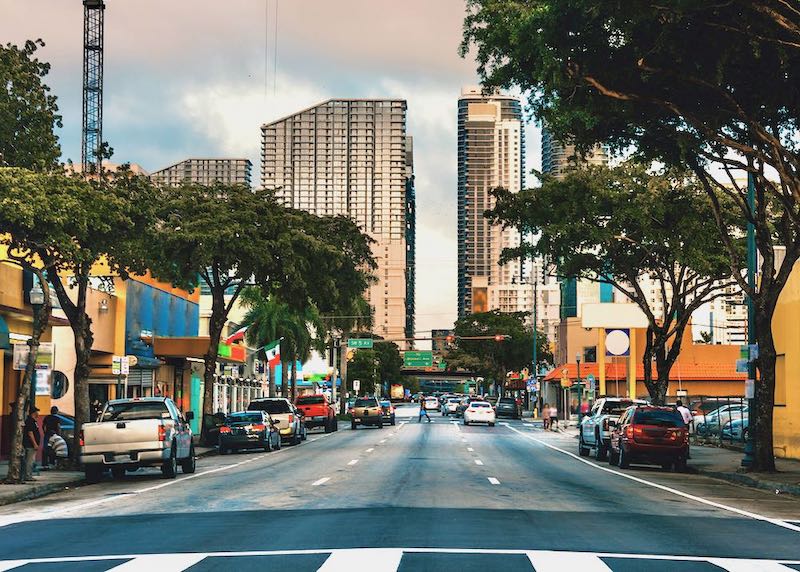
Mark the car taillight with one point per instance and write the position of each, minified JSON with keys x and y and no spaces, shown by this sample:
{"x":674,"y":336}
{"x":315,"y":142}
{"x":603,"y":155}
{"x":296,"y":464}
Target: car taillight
{"x":629,"y":432}
{"x":223,"y":430}
{"x":81,"y":438}
{"x":637,"y":431}
{"x":291,"y":418}
{"x":259,"y":427}
{"x":162,"y":433}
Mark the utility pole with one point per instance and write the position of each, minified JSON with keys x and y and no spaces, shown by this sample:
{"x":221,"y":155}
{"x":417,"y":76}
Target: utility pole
{"x":748,"y":460}
{"x":535,"y":368}
{"x":343,"y":373}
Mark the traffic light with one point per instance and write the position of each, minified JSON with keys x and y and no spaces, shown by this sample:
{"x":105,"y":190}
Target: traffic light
{"x":499,"y":338}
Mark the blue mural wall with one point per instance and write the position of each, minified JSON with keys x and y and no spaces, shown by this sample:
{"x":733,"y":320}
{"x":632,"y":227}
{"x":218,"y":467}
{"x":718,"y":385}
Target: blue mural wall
{"x":159,"y":312}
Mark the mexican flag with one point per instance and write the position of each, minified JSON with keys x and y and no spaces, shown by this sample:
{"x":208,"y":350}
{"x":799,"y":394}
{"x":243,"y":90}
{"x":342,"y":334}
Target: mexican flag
{"x":273,"y":351}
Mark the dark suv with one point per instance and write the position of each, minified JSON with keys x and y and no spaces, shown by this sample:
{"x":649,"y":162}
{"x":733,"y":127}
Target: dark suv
{"x":507,"y":407}
{"x":648,"y":434}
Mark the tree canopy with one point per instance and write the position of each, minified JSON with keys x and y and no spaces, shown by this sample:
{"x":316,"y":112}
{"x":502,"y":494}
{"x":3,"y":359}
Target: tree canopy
{"x":706,"y":85}
{"x":28,"y":111}
{"x":622,"y":225}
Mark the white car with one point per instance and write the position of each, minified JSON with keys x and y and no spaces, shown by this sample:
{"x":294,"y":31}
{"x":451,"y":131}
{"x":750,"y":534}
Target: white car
{"x":479,"y":412}
{"x":430,"y":403}
{"x":450,"y":406}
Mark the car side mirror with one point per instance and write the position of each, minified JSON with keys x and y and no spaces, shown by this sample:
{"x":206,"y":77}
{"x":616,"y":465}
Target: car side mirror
{"x":189,"y":415}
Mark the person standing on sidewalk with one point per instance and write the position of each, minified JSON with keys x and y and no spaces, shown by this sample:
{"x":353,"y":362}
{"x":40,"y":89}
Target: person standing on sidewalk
{"x":546,"y":416}
{"x":31,"y":440}
{"x":688,"y":420}
{"x":553,"y":417}
{"x":51,"y":426}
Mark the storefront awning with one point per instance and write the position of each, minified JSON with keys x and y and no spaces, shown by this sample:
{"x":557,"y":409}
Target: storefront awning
{"x":196,"y":347}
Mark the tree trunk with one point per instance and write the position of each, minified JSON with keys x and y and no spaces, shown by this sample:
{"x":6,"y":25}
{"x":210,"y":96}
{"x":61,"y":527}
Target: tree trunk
{"x":761,"y":422}
{"x":294,"y":378}
{"x":284,"y":378}
{"x":343,"y":373}
{"x":215,"y":325}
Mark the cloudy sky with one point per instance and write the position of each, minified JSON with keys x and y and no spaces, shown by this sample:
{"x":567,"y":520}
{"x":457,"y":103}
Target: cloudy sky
{"x":197,"y":78}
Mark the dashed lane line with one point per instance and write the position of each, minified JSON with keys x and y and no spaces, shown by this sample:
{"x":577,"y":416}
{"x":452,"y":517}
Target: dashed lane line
{"x":493,"y":481}
{"x":321,"y":481}
{"x":370,"y":450}
{"x":470,"y":449}
{"x":478,"y":462}
{"x":353,"y":462}
{"x":707,"y":502}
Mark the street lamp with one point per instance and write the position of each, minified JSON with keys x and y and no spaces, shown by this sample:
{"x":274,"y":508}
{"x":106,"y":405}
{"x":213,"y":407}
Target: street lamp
{"x":36,"y":297}
{"x":580,"y":387}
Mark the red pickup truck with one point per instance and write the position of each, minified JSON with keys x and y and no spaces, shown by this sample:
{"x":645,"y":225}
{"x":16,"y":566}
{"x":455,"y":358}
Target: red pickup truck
{"x":317,"y":412}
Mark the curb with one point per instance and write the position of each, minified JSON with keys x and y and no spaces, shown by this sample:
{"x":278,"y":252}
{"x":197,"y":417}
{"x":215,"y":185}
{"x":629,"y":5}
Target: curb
{"x":38,"y":491}
{"x":748,"y":481}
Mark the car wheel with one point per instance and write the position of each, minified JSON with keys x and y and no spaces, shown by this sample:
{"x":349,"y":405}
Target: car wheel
{"x":296,"y":438}
{"x":600,"y":450}
{"x":117,"y":472}
{"x":613,"y":458}
{"x":624,"y":461}
{"x":223,"y":450}
{"x":268,"y":445}
{"x":466,"y":422}
{"x":666,"y":466}
{"x":328,"y":426}
{"x":93,"y":473}
{"x":189,"y":464}
{"x":583,"y":451}
{"x":170,"y":467}
{"x":380,"y":424}
{"x":491,"y":424}
{"x":680,"y":465}
{"x":353,"y":425}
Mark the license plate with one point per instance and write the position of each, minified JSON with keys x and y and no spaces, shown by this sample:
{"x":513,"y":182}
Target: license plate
{"x":319,"y":418}
{"x":358,"y":419}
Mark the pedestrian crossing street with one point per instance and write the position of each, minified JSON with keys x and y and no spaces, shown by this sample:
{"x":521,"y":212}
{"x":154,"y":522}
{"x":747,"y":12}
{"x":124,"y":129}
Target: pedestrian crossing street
{"x":398,"y":560}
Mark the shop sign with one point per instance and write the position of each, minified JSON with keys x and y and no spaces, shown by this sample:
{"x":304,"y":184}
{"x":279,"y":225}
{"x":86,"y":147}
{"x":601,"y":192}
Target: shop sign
{"x":45,"y":356}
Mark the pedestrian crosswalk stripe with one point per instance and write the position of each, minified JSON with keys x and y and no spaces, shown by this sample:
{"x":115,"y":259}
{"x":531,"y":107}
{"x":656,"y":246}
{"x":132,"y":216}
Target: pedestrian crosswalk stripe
{"x":390,"y":559}
{"x":493,"y":481}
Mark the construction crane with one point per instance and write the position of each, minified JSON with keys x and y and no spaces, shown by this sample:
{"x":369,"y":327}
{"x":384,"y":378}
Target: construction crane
{"x":92,"y":134}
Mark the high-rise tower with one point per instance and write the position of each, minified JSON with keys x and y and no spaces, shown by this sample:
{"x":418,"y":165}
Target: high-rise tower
{"x":491,"y":154}
{"x":352,"y":157}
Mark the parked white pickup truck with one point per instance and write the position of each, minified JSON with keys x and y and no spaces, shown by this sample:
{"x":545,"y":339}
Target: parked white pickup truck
{"x":139,"y":432}
{"x":595,"y":429}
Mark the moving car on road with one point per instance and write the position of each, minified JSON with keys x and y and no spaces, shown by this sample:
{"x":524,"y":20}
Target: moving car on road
{"x":450,"y":406}
{"x":507,"y":407}
{"x":479,"y":412}
{"x":595,"y":429}
{"x":248,"y":430}
{"x":388,"y":411}
{"x":366,"y":411}
{"x":649,"y":434}
{"x":286,"y":417}
{"x":134,"y":433}
{"x":430,"y":403}
{"x":317,"y":412}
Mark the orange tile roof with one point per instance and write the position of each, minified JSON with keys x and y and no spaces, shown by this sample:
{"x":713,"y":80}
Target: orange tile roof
{"x":689,"y":371}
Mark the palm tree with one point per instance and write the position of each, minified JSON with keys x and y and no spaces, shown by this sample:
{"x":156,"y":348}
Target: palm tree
{"x":268,"y":319}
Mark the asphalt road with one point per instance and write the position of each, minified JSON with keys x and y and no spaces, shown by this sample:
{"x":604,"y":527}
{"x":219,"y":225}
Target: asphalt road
{"x":436,"y":496}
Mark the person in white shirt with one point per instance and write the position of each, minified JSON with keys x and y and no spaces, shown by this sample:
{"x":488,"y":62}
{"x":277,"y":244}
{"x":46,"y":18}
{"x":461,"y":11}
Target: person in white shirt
{"x":688,"y":419}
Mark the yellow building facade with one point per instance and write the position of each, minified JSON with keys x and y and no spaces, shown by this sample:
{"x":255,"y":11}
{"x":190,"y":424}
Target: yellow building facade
{"x":786,"y":329}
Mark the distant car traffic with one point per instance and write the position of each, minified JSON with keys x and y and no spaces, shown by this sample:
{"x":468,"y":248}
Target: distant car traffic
{"x":479,"y":412}
{"x":652,"y":435}
{"x":285,"y":415}
{"x":366,"y":411}
{"x":507,"y":407}
{"x":388,"y":412}
{"x":430,"y":403}
{"x":249,"y":430}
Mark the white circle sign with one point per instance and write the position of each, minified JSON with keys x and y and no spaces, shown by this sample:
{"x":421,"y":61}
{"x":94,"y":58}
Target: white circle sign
{"x":617,"y":342}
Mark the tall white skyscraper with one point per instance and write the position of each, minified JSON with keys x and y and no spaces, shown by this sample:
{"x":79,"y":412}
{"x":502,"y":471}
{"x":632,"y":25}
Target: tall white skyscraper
{"x":352,"y":157}
{"x":491,"y":154}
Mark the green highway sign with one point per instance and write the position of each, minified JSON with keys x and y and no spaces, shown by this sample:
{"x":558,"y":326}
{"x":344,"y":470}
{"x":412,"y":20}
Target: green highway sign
{"x":418,"y":359}
{"x":363,"y":343}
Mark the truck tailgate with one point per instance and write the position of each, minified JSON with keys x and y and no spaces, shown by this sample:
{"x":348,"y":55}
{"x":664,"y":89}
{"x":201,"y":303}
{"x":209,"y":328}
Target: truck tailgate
{"x":121,"y":436}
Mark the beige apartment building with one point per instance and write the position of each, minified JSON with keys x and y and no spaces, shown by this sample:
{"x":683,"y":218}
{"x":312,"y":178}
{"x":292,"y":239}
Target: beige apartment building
{"x":352,"y":157}
{"x":491,"y":154}
{"x":206,"y":172}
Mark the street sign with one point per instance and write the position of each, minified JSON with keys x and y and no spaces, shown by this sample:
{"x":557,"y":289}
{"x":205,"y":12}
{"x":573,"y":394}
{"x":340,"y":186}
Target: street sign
{"x":418,"y":359}
{"x":590,"y":378}
{"x":120,"y":365}
{"x":362,"y":343}
{"x":356,"y":385}
{"x":741,"y":366}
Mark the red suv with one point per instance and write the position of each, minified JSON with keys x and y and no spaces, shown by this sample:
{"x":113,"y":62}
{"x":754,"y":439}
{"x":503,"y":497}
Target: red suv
{"x":648,"y":434}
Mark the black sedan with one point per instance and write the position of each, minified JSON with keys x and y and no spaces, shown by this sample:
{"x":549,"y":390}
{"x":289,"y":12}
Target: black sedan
{"x":249,"y":430}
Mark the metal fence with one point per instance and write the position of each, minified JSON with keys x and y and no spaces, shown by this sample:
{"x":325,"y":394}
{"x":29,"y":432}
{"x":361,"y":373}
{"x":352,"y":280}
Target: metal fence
{"x":721,"y":420}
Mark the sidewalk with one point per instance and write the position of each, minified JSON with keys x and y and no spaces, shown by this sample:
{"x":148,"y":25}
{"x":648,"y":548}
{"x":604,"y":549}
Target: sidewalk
{"x":725,"y":464}
{"x":53,"y":481}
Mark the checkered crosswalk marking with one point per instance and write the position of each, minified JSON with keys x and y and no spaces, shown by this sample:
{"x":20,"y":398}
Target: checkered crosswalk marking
{"x":402,"y":559}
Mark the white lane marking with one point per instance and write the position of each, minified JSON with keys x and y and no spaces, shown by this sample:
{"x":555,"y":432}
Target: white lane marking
{"x":160,"y":562}
{"x":741,"y":565}
{"x":493,"y":481}
{"x":544,"y":561}
{"x":353,"y":462}
{"x":391,"y":434}
{"x":321,"y":481}
{"x":537,"y":555}
{"x":753,"y":515}
{"x":381,"y":441}
{"x":470,"y":449}
{"x":378,"y":559}
{"x":370,"y":450}
{"x":478,"y":462}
